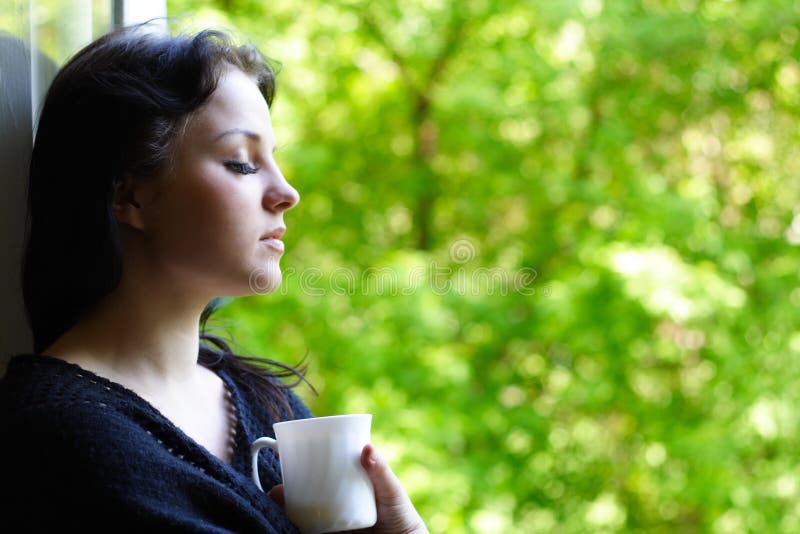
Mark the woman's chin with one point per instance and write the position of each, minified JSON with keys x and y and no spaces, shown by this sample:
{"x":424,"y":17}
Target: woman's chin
{"x":265,"y":279}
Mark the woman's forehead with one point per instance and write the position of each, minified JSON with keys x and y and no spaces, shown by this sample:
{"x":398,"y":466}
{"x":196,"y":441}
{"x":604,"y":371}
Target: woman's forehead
{"x":236,"y":104}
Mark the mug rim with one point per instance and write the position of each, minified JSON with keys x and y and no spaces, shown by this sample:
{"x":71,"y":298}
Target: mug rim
{"x":323,"y":418}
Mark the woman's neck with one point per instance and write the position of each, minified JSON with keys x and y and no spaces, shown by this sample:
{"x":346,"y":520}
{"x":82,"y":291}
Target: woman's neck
{"x":144,"y":336}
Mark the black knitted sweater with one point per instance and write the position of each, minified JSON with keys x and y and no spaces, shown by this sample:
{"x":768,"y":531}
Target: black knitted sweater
{"x":80,"y":453}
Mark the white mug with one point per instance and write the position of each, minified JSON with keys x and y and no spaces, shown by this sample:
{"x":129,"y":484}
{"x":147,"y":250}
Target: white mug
{"x":325,"y":487}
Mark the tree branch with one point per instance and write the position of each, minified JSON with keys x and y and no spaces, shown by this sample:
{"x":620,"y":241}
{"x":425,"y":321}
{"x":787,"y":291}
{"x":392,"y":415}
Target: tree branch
{"x":402,"y":65}
{"x":455,"y":32}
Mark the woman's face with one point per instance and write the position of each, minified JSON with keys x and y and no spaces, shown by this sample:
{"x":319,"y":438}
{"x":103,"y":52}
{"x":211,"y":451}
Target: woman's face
{"x":215,"y":222}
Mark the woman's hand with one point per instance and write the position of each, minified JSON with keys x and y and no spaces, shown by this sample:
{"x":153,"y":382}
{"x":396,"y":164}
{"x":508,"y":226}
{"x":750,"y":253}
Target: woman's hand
{"x":396,"y":514}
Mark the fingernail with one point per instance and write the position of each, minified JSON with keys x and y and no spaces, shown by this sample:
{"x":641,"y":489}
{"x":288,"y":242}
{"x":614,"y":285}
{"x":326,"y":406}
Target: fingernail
{"x":371,"y":458}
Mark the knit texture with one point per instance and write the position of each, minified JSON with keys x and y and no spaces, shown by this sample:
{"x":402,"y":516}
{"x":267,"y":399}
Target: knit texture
{"x":80,"y":451}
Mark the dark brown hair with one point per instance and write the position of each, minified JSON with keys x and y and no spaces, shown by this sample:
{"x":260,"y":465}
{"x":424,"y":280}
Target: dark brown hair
{"x":115,"y":109}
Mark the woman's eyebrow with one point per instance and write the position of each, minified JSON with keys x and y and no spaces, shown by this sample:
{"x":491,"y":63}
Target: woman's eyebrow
{"x":247,"y":133}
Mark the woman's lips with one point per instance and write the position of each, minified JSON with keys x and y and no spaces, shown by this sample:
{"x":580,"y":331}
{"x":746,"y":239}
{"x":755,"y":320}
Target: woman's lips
{"x":273,"y":243}
{"x":272,"y":239}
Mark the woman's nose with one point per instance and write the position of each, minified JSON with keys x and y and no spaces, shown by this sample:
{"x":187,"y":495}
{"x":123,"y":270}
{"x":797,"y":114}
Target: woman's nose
{"x":279,"y":195}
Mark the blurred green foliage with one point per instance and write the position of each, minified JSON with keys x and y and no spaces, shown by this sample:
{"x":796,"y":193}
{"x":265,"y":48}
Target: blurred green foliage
{"x":551,"y":246}
{"x":58,"y":28}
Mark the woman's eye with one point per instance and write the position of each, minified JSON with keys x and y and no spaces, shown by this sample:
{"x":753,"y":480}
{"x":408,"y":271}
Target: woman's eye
{"x":241,"y":167}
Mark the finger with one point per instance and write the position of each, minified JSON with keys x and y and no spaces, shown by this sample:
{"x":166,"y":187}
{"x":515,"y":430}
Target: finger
{"x":277,"y":495}
{"x":386,"y":484}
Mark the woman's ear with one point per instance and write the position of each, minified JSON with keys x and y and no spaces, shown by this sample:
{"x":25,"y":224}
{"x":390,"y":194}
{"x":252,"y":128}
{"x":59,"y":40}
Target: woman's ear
{"x":127,"y":209}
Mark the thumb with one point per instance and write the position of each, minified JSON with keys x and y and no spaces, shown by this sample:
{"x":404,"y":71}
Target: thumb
{"x":396,"y":513}
{"x":388,"y":489}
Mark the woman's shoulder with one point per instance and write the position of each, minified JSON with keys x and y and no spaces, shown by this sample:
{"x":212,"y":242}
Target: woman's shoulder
{"x":87,"y":442}
{"x":65,"y":425}
{"x":34,"y":383}
{"x":48,"y":399}
{"x":52,"y":405}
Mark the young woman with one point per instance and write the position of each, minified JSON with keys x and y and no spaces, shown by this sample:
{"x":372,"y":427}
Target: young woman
{"x":153,"y":190}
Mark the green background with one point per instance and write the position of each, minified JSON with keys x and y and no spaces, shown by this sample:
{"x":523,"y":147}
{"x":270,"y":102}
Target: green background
{"x":550,"y":245}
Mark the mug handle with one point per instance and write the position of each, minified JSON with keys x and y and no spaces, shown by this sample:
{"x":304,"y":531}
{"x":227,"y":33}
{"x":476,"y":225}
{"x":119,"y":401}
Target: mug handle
{"x":257,"y":445}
